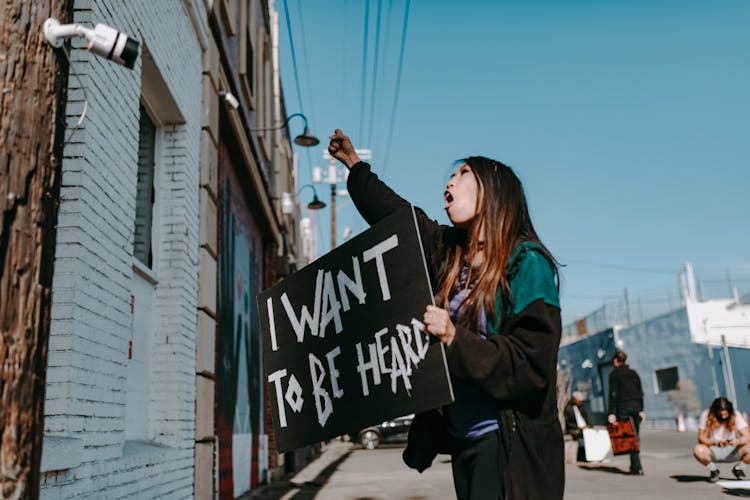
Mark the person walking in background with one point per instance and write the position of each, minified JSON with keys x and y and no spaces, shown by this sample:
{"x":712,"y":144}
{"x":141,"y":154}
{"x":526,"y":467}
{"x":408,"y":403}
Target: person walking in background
{"x":577,"y":419}
{"x":498,"y":316}
{"x":626,"y":402}
{"x":722,"y":432}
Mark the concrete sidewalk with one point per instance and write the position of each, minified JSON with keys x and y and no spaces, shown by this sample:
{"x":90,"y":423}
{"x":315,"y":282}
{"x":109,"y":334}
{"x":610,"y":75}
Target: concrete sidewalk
{"x":671,"y":472}
{"x":308,"y":482}
{"x":346,"y":471}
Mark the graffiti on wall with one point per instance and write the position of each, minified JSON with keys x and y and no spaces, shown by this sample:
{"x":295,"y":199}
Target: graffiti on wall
{"x":239,"y":393}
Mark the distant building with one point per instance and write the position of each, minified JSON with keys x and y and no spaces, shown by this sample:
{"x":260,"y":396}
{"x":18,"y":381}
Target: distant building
{"x":686,"y":357}
{"x":307,"y":239}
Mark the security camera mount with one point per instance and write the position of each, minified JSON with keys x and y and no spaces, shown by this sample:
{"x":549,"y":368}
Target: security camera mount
{"x":102,"y":40}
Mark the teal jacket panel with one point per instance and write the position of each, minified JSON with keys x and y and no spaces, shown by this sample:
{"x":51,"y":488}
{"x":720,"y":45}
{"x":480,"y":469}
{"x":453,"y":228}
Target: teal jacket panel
{"x":532,"y":277}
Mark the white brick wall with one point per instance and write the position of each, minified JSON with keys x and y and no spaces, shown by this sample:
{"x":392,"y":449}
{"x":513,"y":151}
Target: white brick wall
{"x":91,"y":320}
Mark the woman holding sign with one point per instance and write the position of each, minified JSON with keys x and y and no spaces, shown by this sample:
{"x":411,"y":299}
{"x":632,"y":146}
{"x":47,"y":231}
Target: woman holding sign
{"x":498,"y":315}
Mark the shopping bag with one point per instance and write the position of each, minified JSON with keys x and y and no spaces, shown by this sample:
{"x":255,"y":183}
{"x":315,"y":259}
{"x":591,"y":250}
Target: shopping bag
{"x":596,"y":444}
{"x":623,"y":438}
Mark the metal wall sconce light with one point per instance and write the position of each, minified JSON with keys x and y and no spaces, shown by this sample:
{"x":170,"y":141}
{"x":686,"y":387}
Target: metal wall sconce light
{"x":306,"y":139}
{"x":287,"y":204}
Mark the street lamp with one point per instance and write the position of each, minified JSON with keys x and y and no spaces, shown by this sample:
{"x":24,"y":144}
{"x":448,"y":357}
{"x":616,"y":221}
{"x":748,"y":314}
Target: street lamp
{"x":305,"y":139}
{"x":333,"y":179}
{"x":287,"y":205}
{"x":315,"y":204}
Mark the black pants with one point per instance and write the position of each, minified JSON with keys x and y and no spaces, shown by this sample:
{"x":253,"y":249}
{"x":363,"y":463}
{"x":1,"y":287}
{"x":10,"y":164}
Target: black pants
{"x":634,"y":417}
{"x":476,"y":467}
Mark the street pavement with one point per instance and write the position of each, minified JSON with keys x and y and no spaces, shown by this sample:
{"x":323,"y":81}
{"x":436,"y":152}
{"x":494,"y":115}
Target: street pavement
{"x":346,"y":471}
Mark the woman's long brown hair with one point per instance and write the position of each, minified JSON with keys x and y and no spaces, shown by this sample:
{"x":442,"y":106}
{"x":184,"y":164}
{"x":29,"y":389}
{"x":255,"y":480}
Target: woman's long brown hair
{"x":503,"y":213}
{"x":720,"y":403}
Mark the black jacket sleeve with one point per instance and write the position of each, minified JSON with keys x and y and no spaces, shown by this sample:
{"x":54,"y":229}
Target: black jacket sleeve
{"x":613,"y":390}
{"x":375,"y":200}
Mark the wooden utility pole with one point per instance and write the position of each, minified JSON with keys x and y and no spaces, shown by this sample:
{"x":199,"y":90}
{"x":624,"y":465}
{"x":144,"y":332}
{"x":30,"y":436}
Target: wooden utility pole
{"x":32,"y":99}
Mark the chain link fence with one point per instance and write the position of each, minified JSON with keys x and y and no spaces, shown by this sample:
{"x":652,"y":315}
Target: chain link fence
{"x":636,"y":307}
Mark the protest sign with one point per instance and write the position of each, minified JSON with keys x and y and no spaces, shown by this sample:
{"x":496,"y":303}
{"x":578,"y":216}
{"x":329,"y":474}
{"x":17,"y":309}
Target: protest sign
{"x":343,"y":342}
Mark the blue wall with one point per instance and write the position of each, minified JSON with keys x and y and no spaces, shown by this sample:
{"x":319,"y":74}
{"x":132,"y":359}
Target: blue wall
{"x":740,"y":359}
{"x":590,"y":380}
{"x":662,"y":342}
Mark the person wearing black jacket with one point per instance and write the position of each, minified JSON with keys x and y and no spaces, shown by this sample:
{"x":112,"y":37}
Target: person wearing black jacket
{"x":498,"y":316}
{"x":626,"y":402}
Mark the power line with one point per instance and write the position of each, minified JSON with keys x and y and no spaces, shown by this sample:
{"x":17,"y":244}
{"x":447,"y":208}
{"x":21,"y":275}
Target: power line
{"x":294,"y":55}
{"x":344,"y":58}
{"x":622,"y":268}
{"x":364,"y":70}
{"x":651,"y":294}
{"x":725,"y":271}
{"x":398,"y":86}
{"x":387,"y":37}
{"x":584,"y":296}
{"x":386,"y":49}
{"x":304,"y":54}
{"x":371,"y":116}
{"x":307,"y":74}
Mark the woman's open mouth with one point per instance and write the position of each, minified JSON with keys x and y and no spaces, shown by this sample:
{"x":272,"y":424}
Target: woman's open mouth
{"x":448,"y":199}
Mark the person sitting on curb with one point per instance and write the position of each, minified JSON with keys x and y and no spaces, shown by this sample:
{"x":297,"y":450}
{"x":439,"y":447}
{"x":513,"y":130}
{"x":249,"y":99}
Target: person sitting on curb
{"x":722,"y":432}
{"x":576,"y":419}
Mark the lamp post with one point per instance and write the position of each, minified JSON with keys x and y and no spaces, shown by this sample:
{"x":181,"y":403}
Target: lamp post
{"x":305,"y":139}
{"x":333,"y":179}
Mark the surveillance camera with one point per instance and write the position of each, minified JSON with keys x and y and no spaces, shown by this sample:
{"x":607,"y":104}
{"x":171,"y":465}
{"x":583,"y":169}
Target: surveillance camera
{"x":114,"y":45}
{"x":103,"y":40}
{"x":230,"y":99}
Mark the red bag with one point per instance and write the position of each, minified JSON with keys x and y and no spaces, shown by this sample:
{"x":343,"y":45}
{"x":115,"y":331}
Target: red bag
{"x":623,"y":437}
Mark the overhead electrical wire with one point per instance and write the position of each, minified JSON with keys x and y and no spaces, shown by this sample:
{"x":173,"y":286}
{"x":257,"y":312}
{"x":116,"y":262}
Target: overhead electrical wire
{"x":304,"y":54}
{"x":365,"y":42}
{"x":398,"y":86}
{"x":294,"y":55}
{"x":371,"y":116}
{"x":296,"y":71}
{"x":307,"y":76}
{"x":622,"y":268}
{"x":344,"y":58}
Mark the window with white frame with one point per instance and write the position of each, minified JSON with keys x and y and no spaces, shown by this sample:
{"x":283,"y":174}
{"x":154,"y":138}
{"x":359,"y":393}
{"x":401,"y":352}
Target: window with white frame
{"x":263,"y":92}
{"x":145,"y":193}
{"x":259,"y":87}
{"x":144,"y":276}
{"x":267,"y":94}
{"x":247,"y":52}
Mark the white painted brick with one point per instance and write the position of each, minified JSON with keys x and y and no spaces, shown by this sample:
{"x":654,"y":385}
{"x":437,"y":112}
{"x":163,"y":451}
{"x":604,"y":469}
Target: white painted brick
{"x":91,"y":319}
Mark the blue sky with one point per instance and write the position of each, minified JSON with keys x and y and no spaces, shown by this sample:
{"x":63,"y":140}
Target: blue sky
{"x":627,"y":121}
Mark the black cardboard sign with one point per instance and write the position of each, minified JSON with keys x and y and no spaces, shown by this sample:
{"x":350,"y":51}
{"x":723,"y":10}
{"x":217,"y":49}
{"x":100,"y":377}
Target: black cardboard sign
{"x":343,"y":346}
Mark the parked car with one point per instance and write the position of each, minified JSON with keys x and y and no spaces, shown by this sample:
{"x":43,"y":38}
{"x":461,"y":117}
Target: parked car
{"x":394,"y":430}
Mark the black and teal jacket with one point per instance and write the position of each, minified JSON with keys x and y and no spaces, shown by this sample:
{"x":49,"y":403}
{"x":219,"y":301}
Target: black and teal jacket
{"x":516,"y":364}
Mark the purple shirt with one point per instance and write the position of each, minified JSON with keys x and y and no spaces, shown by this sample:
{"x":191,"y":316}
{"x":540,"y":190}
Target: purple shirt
{"x":474,"y":412}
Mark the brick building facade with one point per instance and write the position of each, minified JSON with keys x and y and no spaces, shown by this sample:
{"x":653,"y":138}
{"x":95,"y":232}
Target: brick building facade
{"x":156,"y":174}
